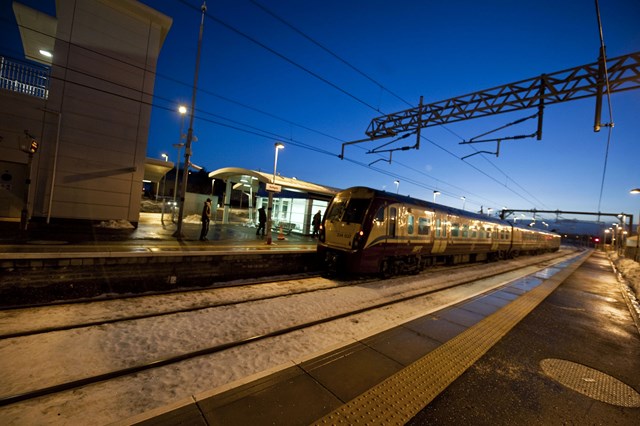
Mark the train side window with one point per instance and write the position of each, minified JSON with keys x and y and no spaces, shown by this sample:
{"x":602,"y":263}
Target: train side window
{"x":379,"y":215}
{"x":474,"y":232}
{"x":465,"y":231}
{"x":424,"y":226}
{"x":438,"y":228}
{"x":410,"y":220}
{"x":455,"y":229}
{"x":392,"y":221}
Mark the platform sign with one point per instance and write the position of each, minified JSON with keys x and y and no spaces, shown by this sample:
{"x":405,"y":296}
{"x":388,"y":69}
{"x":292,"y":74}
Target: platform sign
{"x":272,"y":187}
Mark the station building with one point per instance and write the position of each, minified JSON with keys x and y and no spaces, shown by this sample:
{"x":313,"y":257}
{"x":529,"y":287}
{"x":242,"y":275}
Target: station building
{"x":83,"y":93}
{"x":293,"y":207}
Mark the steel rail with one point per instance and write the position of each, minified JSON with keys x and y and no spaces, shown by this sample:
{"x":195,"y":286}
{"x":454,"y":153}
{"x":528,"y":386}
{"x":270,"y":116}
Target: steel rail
{"x":12,"y":399}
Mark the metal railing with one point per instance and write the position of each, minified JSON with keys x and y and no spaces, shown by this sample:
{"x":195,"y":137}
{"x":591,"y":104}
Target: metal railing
{"x":23,"y":78}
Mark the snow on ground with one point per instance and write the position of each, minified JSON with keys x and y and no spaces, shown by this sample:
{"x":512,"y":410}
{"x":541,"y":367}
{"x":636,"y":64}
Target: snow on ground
{"x":43,"y":360}
{"x":630,"y":270}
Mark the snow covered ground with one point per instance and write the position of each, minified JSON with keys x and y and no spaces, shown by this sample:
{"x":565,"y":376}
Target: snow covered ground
{"x":42,"y":360}
{"x":630,"y":270}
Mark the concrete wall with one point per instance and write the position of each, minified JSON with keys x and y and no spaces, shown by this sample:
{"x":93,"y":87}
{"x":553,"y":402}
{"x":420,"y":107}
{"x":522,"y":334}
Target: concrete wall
{"x":18,"y":113}
{"x":102,"y":84}
{"x":95,"y":123}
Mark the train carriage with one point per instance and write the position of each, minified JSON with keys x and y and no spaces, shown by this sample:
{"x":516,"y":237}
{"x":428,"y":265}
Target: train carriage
{"x":369,"y":231}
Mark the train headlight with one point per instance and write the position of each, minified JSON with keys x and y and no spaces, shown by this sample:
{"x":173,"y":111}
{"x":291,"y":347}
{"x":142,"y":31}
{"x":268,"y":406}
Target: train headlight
{"x":358,"y":240}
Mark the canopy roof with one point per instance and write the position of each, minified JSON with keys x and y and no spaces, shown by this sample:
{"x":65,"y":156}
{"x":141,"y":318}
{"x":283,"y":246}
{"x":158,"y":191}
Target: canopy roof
{"x":238,"y":174}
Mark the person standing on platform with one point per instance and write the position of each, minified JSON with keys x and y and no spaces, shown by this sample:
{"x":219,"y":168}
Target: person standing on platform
{"x":206,"y":218}
{"x":317,"y":219}
{"x":262,"y":220}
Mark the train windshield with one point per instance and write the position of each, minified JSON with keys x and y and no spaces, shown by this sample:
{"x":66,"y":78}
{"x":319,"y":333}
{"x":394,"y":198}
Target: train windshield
{"x":351,"y":210}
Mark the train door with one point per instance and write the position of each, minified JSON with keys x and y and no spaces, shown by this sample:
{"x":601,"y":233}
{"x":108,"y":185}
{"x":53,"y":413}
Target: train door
{"x":391,"y":231}
{"x":393,"y":220}
{"x":440,"y":236}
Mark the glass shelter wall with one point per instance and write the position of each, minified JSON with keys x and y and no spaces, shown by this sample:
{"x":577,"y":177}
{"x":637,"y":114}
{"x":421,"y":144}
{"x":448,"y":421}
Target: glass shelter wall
{"x":293,"y":213}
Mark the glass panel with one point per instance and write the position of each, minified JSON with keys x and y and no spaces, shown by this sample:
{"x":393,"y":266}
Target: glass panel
{"x":356,"y":208}
{"x":424,"y":226}
{"x":410,"y":224}
{"x":336,"y":209}
{"x":380,"y":215}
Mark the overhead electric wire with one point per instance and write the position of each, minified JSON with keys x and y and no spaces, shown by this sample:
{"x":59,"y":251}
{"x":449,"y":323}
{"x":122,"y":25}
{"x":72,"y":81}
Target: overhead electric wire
{"x":281,"y":56}
{"x":312,"y":40}
{"x":293,"y":63}
{"x":330,"y":52}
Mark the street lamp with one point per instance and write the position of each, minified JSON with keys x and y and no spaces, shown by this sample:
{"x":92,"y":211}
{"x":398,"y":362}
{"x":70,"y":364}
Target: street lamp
{"x":182,"y":110}
{"x":435,"y":194}
{"x":164,"y":176}
{"x":464,"y":201}
{"x":278,"y":146}
{"x":397,"y":182}
{"x":187,"y":148}
{"x":637,"y":256}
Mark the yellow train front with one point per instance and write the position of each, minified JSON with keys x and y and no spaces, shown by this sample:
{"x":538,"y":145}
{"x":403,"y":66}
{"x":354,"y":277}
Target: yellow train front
{"x":370,"y":231}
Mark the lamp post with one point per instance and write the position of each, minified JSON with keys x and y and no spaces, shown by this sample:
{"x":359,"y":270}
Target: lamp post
{"x":164,"y":177}
{"x":187,"y":148}
{"x":397,"y":182}
{"x":637,"y":255}
{"x":164,"y":184}
{"x":464,"y":201}
{"x":435,"y":194}
{"x":182,"y":110}
{"x":278,"y":146}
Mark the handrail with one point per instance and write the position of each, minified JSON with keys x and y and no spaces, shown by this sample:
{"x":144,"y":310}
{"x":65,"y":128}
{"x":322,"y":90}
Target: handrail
{"x":23,"y":78}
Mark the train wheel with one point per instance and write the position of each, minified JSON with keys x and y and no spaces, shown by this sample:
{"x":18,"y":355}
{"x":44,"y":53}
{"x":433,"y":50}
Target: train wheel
{"x":331,"y":266}
{"x":386,"y":269}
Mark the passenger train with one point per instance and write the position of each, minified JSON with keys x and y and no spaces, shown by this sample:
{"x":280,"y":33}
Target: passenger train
{"x":371,"y":231}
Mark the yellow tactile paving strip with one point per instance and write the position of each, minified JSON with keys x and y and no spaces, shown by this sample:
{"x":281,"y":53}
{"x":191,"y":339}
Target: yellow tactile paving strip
{"x":400,"y":397}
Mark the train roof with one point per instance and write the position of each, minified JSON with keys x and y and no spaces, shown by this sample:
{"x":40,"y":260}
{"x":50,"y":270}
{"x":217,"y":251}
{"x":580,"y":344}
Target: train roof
{"x":449,"y":210}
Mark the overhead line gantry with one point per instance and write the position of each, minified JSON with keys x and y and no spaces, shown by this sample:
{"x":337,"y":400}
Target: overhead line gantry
{"x":561,"y":86}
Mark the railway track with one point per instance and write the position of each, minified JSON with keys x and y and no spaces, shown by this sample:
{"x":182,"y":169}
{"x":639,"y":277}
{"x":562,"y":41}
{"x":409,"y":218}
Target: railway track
{"x":114,"y":346}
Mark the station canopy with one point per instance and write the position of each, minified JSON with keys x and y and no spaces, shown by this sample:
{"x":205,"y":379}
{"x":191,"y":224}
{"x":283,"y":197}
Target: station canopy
{"x":154,"y":169}
{"x":291,"y":186}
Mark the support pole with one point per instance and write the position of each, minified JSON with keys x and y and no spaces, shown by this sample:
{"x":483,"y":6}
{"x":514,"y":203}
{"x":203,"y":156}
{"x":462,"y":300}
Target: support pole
{"x":187,"y":149}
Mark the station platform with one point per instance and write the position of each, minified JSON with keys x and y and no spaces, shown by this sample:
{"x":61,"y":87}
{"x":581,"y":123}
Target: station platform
{"x":562,"y":347}
{"x":151,"y":232}
{"x":61,"y":261}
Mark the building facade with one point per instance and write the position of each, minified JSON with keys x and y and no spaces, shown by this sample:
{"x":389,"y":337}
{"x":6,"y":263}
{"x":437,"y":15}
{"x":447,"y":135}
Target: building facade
{"x":88,"y":107}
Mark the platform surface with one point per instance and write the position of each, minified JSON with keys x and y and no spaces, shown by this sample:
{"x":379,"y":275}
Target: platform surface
{"x":553,"y":350}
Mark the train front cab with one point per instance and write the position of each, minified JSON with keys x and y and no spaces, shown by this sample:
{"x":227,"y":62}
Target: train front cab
{"x":342,"y":233}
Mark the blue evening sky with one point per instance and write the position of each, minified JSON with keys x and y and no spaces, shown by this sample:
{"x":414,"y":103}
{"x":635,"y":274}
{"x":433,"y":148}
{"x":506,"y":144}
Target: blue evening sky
{"x":262,"y":82}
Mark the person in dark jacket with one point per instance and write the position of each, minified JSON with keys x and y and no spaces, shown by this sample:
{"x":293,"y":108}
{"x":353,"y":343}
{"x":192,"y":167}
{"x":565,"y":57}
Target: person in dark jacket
{"x":317,"y":219}
{"x":262,"y":220}
{"x":206,"y":218}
